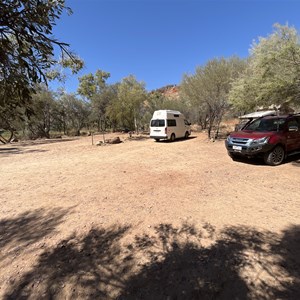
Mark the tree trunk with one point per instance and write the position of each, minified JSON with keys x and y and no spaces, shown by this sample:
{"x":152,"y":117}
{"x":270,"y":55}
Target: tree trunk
{"x":210,"y":124}
{"x":209,"y":131}
{"x":205,"y":121}
{"x":47,"y":133}
{"x":218,"y":126}
{"x":7,"y":127}
{"x":99,"y":124}
{"x":64,"y":127}
{"x":3,"y":140}
{"x":136,"y":126}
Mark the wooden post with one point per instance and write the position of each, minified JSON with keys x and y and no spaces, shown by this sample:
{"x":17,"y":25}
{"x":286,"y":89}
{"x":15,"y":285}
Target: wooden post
{"x":103,"y":130}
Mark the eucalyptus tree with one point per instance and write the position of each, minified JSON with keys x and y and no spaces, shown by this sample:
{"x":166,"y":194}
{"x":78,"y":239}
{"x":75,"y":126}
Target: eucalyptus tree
{"x":207,"y":90}
{"x":126,"y":109}
{"x":93,"y":87}
{"x":75,"y":113}
{"x":40,"y":123}
{"x":273,"y":73}
{"x":27,"y":49}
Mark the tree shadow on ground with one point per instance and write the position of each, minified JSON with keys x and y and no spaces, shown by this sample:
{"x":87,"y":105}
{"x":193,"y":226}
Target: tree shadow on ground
{"x":172,"y":263}
{"x":45,"y":141}
{"x":20,"y":147}
{"x":10,"y":151}
{"x":85,"y":267}
{"x":258,"y":161}
{"x":179,"y":140}
{"x":294,"y":159}
{"x":137,"y":138}
{"x":28,"y":228}
{"x":184,"y":269}
{"x":288,"y":250}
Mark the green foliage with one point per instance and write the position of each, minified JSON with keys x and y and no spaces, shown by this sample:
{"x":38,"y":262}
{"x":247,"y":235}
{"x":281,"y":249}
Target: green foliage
{"x":94,"y":88}
{"x":27,"y":53}
{"x":91,"y":85}
{"x":100,"y":103}
{"x":125,"y":110}
{"x":74,"y":112}
{"x":39,"y":124}
{"x":207,"y":90}
{"x":154,"y":101}
{"x":272,"y":76}
{"x":60,"y":113}
{"x":57,"y":72}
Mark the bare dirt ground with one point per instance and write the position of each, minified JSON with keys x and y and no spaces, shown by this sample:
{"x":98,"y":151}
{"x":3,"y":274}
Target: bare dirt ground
{"x":146,"y":220}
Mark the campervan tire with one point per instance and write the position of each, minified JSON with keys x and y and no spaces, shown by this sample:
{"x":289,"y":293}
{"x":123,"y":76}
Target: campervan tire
{"x":172,"y":138}
{"x":186,"y":135}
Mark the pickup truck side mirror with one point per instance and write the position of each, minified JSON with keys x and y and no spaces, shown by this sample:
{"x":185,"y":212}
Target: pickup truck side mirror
{"x":293,"y":128}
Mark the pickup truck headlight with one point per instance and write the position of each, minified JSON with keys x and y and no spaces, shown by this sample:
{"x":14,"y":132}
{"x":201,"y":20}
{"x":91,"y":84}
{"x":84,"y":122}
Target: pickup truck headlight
{"x":261,"y":141}
{"x":228,"y":139}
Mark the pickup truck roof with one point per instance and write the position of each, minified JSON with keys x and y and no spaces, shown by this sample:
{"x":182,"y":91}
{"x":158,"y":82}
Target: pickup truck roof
{"x":259,"y":114}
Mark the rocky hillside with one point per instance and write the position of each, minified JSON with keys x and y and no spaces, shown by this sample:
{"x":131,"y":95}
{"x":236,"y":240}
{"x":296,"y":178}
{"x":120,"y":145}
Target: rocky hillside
{"x":169,"y":91}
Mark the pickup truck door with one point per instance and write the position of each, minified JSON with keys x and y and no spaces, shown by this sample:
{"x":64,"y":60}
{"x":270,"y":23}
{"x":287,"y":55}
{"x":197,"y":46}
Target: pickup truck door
{"x":293,"y":135}
{"x":298,"y":137}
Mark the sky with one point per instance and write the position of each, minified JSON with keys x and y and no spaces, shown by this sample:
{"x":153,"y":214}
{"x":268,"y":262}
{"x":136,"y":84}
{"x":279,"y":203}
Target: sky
{"x":158,"y":41}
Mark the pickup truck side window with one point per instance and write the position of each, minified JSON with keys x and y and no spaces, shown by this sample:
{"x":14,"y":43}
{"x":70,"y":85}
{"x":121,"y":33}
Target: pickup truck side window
{"x":293,"y":123}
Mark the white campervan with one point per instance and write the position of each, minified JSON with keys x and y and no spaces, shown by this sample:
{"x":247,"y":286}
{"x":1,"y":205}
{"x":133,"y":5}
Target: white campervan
{"x":169,"y":125}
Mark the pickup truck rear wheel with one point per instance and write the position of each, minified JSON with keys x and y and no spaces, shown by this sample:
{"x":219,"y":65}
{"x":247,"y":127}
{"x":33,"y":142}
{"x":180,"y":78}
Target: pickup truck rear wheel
{"x":275,"y":157}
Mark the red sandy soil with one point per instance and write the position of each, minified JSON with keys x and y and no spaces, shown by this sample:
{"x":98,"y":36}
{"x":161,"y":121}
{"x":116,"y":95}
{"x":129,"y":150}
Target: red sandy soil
{"x":146,"y":220}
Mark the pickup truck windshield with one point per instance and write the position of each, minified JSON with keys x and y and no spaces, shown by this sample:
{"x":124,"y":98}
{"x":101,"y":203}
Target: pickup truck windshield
{"x":274,"y":124}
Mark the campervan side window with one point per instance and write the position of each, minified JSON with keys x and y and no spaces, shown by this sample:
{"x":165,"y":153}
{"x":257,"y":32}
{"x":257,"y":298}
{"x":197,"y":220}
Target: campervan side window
{"x":171,"y":123}
{"x":176,"y":116}
{"x":158,"y":123}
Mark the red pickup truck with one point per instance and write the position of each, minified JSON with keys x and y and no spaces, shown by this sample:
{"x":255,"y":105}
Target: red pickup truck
{"x":271,"y":137}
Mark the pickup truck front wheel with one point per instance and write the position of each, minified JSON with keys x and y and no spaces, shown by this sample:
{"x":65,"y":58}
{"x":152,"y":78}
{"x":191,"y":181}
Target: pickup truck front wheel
{"x":275,"y":157}
{"x":233,"y":156}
